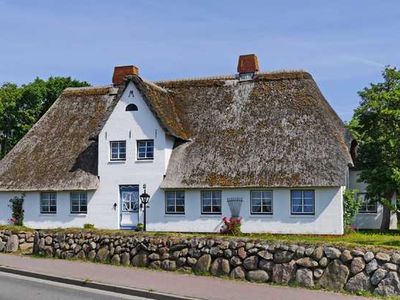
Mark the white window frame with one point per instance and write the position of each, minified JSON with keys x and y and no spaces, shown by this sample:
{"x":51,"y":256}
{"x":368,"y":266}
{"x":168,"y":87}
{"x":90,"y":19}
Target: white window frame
{"x":302,"y":205}
{"x":366,"y":207}
{"x":146,"y":148}
{"x":81,"y":197}
{"x":172,"y":196}
{"x":48,"y":200}
{"x":121,"y":155}
{"x":215,"y":201}
{"x":266,"y":201}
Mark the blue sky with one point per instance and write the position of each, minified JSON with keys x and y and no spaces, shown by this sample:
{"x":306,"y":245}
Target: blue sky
{"x":343,"y":44}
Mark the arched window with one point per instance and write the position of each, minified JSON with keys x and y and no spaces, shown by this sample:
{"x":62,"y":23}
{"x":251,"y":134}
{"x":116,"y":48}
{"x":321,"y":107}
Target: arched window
{"x":131,"y":107}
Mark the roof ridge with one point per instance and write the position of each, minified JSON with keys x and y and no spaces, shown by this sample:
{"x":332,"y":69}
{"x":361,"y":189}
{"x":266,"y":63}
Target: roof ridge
{"x":228,"y":76}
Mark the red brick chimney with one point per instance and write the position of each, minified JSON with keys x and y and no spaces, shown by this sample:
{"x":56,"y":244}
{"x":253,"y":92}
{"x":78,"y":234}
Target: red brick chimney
{"x":120,"y":73}
{"x":248,"y":64}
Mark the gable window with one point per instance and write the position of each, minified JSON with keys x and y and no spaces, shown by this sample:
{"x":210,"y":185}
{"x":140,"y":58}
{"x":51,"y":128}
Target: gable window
{"x":175,"y":202}
{"x":145,"y":150}
{"x":48,"y":203}
{"x":261,"y":202}
{"x":78,"y":202}
{"x":368,"y":205}
{"x":118,"y":150}
{"x":302,"y":202}
{"x":211,"y":202}
{"x":131,"y":107}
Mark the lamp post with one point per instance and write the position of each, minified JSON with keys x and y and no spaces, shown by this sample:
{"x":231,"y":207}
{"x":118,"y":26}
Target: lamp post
{"x":144,"y":199}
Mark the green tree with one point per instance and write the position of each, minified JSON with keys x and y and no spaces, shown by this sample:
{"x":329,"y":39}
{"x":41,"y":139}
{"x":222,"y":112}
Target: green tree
{"x":22,"y":106}
{"x":376,"y":126}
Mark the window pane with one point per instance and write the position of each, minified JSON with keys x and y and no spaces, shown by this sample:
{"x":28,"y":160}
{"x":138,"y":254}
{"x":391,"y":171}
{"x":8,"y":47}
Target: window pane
{"x":308,"y":209}
{"x":296,"y":194}
{"x":297,"y":208}
{"x":75,"y":208}
{"x":256,"y":194}
{"x":180,"y":209}
{"x":170,"y":208}
{"x":256,"y":209}
{"x":206,"y":194}
{"x":308,"y":194}
{"x":207,"y":208}
{"x":267,"y":208}
{"x":207,"y":202}
{"x":256,"y":202}
{"x":296,"y":202}
{"x":308,"y":201}
{"x":180,"y":202}
{"x":217,"y":209}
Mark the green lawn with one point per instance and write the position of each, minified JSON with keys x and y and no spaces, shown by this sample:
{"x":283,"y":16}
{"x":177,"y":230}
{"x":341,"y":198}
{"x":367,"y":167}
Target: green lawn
{"x":364,"y":238}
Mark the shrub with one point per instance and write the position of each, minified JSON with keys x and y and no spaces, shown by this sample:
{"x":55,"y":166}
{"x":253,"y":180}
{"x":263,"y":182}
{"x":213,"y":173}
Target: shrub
{"x":139,"y":227}
{"x":17,"y":215}
{"x":88,"y":226}
{"x":351,"y":206}
{"x":231,"y":225}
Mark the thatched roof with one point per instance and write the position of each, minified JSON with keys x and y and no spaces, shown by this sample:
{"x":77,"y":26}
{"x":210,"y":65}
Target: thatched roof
{"x":275,"y":130}
{"x":60,"y":151}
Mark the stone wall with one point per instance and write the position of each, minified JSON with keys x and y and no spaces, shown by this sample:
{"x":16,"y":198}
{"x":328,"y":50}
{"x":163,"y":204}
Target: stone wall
{"x":17,"y":241}
{"x":326,"y":267}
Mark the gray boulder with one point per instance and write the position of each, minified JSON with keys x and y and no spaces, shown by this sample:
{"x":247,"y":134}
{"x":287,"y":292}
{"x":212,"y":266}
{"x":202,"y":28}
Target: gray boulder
{"x":307,"y":262}
{"x":284,"y":273}
{"x":251,"y":262}
{"x":168,"y":265}
{"x":378,"y":276}
{"x":102,"y":255}
{"x":390,"y":286}
{"x":318,"y":273}
{"x":360,"y":282}
{"x":125,"y":259}
{"x":346,"y":256}
{"x":237,"y":273}
{"x":335,"y":276}
{"x":304,"y":277}
{"x":220,"y":267}
{"x":12,"y":243}
{"x":332,"y":253}
{"x":369,"y":256}
{"x":318,"y":253}
{"x":383,"y":257}
{"x":257,"y":276}
{"x":357,"y":265}
{"x":116,"y":260}
{"x":283,"y":256}
{"x":140,"y":259}
{"x":371,"y":266}
{"x":203,"y":264}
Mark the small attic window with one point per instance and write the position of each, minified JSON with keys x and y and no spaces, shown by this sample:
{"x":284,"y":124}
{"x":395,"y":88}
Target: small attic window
{"x":131,"y":107}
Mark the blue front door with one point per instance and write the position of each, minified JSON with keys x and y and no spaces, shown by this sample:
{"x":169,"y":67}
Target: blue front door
{"x":129,"y":199}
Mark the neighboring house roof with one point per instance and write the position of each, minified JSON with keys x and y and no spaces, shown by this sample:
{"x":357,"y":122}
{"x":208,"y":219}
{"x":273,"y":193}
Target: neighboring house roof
{"x":275,"y":130}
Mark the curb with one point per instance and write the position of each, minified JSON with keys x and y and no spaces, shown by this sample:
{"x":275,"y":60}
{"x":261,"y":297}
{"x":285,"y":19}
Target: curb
{"x":96,"y":285}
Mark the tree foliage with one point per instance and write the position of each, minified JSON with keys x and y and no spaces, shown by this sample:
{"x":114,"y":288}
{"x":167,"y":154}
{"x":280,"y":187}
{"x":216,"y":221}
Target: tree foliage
{"x":351,"y":206}
{"x":22,"y":106}
{"x":16,"y":204}
{"x":376,"y":126}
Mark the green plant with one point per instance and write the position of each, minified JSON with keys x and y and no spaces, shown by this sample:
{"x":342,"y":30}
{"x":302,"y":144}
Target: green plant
{"x":88,"y":226}
{"x":351,"y":206}
{"x":17,"y":215}
{"x":231,"y":225}
{"x":139,"y":227}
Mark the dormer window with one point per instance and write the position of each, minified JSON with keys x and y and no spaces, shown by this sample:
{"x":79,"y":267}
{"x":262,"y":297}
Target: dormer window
{"x":131,"y":107}
{"x":145,"y":149}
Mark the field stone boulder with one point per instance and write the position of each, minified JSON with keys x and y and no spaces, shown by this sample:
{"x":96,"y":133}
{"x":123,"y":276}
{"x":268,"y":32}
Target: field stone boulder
{"x":332,"y":252}
{"x":257,"y":276}
{"x":12,"y":243}
{"x":395,"y":258}
{"x":318,"y":273}
{"x":283,"y":256}
{"x":2,"y":245}
{"x":251,"y":262}
{"x":359,"y":282}
{"x":335,"y":276}
{"x":220,"y":267}
{"x":284,"y":273}
{"x":346,"y":256}
{"x":168,"y":265}
{"x":369,"y":256}
{"x":116,"y":260}
{"x":383,"y":257}
{"x":237,"y":273}
{"x":378,"y":276}
{"x":304,"y":277}
{"x":102,"y":255}
{"x":307,"y":262}
{"x":91,"y":255}
{"x":390,"y":286}
{"x":140,"y":259}
{"x":125,"y":259}
{"x":203,"y":264}
{"x":26,"y":248}
{"x":318,"y":253}
{"x":266,"y":265}
{"x":371,"y":266}
{"x":323,"y":262}
{"x":357,"y":265}
{"x":264,"y":254}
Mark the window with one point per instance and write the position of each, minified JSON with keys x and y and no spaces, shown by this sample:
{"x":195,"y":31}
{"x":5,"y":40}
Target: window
{"x":129,"y":198}
{"x":368,"y":205}
{"x":303,"y":202}
{"x":48,"y":203}
{"x":211,"y":202}
{"x":145,"y":150}
{"x":261,"y":202}
{"x":175,"y":202}
{"x":78,"y":202}
{"x":131,"y":107}
{"x":118,"y":150}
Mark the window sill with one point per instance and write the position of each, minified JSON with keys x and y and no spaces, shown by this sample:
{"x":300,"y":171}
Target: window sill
{"x":302,"y":216}
{"x":47,"y":215}
{"x":116,"y":162}
{"x":175,"y":215}
{"x":211,"y":216}
{"x":78,"y":214}
{"x":144,"y":160}
{"x":261,"y":216}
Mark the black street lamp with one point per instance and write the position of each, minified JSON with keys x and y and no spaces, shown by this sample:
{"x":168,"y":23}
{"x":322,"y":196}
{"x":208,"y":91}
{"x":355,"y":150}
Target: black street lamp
{"x":144,"y":199}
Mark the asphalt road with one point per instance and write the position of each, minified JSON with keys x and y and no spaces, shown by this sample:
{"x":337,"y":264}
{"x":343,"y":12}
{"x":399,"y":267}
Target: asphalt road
{"x":20,"y":287}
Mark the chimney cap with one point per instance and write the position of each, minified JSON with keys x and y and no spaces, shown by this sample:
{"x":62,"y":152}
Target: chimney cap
{"x":121,"y":72}
{"x":248,"y":63}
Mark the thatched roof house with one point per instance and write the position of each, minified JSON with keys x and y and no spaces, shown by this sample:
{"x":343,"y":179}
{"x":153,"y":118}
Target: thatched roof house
{"x":275,"y":130}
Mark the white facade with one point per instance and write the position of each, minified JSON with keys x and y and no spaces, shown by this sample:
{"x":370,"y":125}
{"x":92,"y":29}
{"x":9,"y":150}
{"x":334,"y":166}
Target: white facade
{"x":369,"y":220}
{"x":104,"y":204}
